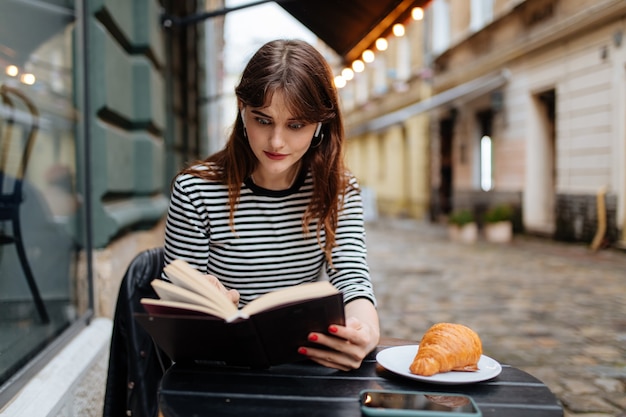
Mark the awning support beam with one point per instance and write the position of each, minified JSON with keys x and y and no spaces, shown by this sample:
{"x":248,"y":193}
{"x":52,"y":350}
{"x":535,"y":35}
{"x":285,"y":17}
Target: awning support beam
{"x":169,"y":20}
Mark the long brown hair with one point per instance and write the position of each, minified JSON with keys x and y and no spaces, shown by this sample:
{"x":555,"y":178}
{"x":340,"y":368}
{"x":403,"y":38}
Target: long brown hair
{"x":305,"y":79}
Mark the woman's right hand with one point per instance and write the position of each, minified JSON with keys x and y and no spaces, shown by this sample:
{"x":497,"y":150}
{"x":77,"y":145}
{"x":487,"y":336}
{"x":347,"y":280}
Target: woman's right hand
{"x":233,"y":295}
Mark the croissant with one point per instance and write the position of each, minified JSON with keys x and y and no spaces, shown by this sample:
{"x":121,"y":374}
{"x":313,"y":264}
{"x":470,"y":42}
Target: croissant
{"x":447,"y":347}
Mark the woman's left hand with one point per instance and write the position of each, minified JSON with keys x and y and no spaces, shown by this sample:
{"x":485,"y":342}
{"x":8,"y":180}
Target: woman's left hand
{"x":348,"y":345}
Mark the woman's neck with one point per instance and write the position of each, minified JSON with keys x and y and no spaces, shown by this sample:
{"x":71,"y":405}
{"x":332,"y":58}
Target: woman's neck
{"x":276,"y":182}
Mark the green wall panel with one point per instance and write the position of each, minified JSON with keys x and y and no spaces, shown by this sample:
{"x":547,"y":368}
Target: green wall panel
{"x":126,"y":95}
{"x":157,"y":99}
{"x":148,"y":164}
{"x":155,"y":32}
{"x":119,"y":154}
{"x":136,"y":210}
{"x":121,"y":11}
{"x":99,"y":161}
{"x":118,"y":79}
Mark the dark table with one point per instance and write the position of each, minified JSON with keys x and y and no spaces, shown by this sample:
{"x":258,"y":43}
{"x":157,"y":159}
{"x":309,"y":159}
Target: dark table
{"x":308,"y":389}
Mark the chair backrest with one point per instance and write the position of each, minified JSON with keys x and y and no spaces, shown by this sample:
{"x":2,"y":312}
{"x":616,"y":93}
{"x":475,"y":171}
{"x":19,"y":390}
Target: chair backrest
{"x":18,"y":135}
{"x":136,"y":364}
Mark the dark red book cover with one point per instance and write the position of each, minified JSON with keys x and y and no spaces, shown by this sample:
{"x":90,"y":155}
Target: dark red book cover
{"x":267,"y":338}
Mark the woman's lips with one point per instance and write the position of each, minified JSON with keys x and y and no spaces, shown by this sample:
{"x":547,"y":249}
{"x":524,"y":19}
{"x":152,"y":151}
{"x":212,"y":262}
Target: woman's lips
{"x":275,"y":156}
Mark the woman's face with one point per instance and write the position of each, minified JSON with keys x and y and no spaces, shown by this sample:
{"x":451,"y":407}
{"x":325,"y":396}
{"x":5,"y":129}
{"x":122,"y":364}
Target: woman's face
{"x":278,"y":140}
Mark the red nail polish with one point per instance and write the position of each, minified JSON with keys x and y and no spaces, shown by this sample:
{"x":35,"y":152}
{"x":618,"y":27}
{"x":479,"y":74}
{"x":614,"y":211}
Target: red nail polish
{"x":302,"y":351}
{"x":313,"y":337}
{"x":332,"y":329}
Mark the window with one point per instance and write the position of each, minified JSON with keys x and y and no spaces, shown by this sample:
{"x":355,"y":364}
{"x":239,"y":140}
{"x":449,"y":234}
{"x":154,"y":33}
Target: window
{"x":485,"y":150}
{"x":380,"y":75}
{"x":42,"y":289}
{"x":481,"y":14}
{"x":441,"y":26}
{"x":361,"y":93}
{"x":403,"y":63}
{"x":485,"y":163}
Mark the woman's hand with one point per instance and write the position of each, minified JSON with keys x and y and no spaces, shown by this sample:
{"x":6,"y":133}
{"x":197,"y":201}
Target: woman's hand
{"x":233,"y":295}
{"x":348,"y":344}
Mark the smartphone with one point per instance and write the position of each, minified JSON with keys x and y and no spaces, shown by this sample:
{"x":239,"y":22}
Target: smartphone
{"x":382,"y":403}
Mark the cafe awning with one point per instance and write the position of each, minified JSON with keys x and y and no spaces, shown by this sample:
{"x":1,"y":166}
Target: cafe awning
{"x":350,"y":26}
{"x":347,"y":26}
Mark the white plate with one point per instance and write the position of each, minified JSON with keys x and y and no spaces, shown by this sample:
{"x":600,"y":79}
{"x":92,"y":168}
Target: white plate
{"x":397,"y":359}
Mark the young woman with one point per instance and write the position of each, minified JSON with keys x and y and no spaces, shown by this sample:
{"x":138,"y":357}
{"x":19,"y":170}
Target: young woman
{"x":277,"y":207}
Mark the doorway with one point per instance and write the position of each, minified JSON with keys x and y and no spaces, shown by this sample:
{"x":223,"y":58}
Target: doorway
{"x":541,"y":174}
{"x":446,"y":130}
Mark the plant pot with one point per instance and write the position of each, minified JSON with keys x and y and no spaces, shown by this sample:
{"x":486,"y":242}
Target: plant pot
{"x":467,"y":233}
{"x":499,"y":232}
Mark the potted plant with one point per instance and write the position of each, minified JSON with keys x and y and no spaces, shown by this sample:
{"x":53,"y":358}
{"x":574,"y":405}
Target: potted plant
{"x":462,"y":226}
{"x":499,"y":223}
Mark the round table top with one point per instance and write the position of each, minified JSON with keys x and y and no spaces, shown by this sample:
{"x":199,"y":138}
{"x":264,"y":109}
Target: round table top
{"x":307,"y":389}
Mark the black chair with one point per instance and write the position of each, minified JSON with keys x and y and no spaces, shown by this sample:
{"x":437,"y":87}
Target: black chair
{"x":136,"y":364}
{"x":11,"y":185}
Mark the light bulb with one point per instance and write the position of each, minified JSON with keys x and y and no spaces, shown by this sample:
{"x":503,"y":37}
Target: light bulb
{"x":358,"y":66}
{"x":381,"y":44}
{"x":340,"y":82}
{"x":368,"y":56}
{"x":398,"y":29}
{"x":417,"y":13}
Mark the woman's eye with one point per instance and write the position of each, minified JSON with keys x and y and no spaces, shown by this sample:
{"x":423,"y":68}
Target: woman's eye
{"x":296,"y":126}
{"x":262,"y":121}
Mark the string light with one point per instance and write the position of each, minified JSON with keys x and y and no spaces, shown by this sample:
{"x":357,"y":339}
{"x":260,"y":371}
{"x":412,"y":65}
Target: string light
{"x":358,"y":66}
{"x":417,"y":13}
{"x":368,"y":56}
{"x":382,"y":44}
{"x":398,"y":29}
{"x":340,"y":82}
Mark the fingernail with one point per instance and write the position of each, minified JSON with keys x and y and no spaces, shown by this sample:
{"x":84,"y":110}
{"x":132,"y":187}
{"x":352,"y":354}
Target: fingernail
{"x":332,"y":329}
{"x":313,"y":337}
{"x":302,"y":351}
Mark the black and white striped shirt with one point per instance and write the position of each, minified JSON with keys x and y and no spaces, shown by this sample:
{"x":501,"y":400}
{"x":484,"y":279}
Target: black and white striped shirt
{"x":267,"y":250}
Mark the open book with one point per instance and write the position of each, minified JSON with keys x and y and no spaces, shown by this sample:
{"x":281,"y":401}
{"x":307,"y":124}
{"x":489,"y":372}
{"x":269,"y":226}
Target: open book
{"x":193,"y":320}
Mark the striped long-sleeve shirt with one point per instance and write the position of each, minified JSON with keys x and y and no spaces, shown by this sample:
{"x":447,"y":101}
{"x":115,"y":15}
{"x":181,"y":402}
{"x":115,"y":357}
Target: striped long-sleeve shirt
{"x":267,"y":249}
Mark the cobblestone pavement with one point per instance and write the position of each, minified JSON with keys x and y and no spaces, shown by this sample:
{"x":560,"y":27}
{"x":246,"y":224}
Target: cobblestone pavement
{"x":555,"y":310}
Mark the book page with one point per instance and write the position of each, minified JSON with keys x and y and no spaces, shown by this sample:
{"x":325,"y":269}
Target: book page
{"x":171,"y":292}
{"x":164,"y":307}
{"x":185,"y":276}
{"x":289,"y":295}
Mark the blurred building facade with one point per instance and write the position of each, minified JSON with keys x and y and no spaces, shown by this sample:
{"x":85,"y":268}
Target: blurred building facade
{"x":499,"y":101}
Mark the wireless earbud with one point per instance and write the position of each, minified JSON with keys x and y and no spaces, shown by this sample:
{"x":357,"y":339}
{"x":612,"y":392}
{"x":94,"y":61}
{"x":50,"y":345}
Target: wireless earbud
{"x":318,"y":135}
{"x":317,"y":130}
{"x":243,"y":119}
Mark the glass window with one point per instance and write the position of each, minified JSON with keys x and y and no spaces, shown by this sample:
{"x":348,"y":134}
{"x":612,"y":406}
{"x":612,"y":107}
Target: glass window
{"x":481,"y":14}
{"x":362,"y":91}
{"x":380,"y":76}
{"x":485,"y":163}
{"x":41,"y":293}
{"x":441,"y":26}
{"x":403,"y":59}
